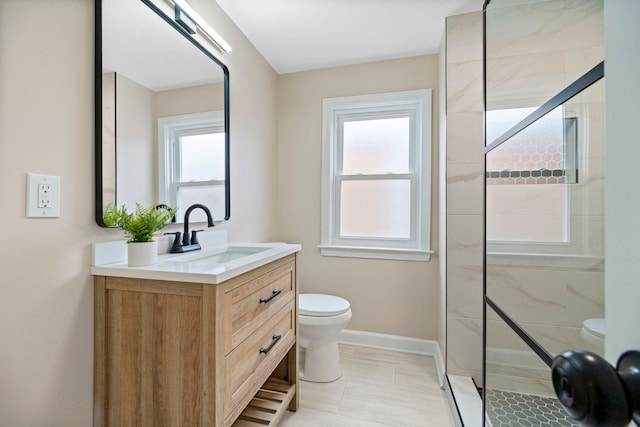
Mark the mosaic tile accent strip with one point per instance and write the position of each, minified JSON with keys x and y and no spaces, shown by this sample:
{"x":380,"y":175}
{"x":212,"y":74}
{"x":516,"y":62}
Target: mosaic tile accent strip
{"x":544,"y":153}
{"x":543,"y":145}
{"x":541,"y":176}
{"x":509,"y":409}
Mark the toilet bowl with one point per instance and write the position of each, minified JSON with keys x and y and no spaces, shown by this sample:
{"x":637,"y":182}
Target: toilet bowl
{"x":594,"y":331}
{"x":321,"y":318}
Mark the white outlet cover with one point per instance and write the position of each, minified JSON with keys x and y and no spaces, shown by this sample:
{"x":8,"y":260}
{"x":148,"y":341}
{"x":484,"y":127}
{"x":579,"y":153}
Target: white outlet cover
{"x":33,"y":211}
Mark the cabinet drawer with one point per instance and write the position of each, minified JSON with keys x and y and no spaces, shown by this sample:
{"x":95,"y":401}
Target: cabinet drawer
{"x":249,"y":365}
{"x":250,"y":305}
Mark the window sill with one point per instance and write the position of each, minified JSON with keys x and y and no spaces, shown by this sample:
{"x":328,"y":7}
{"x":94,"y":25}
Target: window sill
{"x":375,"y":253}
{"x":546,"y":261}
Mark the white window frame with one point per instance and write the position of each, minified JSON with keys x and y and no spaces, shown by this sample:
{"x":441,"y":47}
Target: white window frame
{"x":417,"y":105}
{"x":169,"y":131}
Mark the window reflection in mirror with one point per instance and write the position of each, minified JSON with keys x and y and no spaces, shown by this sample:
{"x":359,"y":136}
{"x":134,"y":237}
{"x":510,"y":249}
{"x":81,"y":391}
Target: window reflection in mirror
{"x":191,"y":149}
{"x":151,"y":74}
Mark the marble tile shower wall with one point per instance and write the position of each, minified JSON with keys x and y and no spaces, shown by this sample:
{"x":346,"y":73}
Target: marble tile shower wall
{"x":528,"y":64}
{"x":465,"y":169}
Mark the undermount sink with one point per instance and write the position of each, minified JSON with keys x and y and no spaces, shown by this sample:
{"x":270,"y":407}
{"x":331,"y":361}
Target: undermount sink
{"x":222,"y":255}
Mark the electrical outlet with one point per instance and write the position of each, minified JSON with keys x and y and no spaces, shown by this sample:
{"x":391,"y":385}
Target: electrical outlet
{"x":43,"y":196}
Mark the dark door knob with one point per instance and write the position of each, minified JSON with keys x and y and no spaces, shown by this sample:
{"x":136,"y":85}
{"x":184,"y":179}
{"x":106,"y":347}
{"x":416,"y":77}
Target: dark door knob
{"x":595,"y":393}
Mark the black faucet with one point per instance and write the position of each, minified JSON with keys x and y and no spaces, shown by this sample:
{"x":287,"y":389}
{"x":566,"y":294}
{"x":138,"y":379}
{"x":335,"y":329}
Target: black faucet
{"x":190,"y":244}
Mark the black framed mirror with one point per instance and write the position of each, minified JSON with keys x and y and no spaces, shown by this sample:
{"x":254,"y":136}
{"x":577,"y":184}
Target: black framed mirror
{"x":161,"y":112}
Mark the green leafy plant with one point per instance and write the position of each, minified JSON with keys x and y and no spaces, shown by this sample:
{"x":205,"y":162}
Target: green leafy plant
{"x":141,"y":223}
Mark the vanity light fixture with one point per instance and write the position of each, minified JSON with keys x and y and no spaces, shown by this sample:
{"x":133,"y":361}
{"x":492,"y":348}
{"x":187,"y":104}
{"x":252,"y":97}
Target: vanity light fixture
{"x":185,"y":21}
{"x":189,"y":19}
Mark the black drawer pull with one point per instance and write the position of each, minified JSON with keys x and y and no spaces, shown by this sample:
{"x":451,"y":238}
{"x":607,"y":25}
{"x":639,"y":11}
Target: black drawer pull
{"x":276,"y":292}
{"x":266,"y":350}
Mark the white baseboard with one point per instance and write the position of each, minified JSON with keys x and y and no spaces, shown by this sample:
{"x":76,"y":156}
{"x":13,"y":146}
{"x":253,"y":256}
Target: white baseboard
{"x":396,"y":343}
{"x":440,"y":366}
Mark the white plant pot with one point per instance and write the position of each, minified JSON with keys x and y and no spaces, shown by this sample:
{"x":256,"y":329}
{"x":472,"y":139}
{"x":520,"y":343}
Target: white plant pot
{"x":142,"y":253}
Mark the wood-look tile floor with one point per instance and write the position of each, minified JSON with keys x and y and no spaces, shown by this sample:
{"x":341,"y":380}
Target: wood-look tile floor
{"x":377,"y":388}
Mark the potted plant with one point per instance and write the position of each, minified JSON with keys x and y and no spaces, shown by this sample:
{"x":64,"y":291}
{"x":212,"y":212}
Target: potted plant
{"x":140,"y":225}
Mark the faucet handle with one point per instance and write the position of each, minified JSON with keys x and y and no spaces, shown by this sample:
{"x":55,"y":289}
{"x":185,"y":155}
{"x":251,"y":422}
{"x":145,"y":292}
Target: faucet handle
{"x":177,"y":240}
{"x":194,"y":237}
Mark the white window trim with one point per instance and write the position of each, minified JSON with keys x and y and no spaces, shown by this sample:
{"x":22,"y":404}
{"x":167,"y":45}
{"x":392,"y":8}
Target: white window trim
{"x":168,"y":128}
{"x":417,"y":248}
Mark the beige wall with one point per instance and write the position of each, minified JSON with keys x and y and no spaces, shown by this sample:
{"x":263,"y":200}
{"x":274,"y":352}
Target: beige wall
{"x":253,"y":85}
{"x":189,"y":100}
{"x":136,"y":147}
{"x":391,"y":297}
{"x":46,"y":126}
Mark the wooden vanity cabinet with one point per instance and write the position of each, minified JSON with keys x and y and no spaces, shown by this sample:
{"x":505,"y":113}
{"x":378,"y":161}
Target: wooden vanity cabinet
{"x":196,"y":354}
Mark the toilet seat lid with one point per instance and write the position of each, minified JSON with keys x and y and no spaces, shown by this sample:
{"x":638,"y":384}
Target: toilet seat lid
{"x":595,"y":326}
{"x":319,"y":305}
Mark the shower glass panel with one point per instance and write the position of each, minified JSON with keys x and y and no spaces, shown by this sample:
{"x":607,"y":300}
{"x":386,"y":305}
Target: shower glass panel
{"x":544,"y":200}
{"x":518,"y":389}
{"x":545,"y":233}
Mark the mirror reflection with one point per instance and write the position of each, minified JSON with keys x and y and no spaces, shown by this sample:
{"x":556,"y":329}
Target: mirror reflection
{"x":163,"y":114}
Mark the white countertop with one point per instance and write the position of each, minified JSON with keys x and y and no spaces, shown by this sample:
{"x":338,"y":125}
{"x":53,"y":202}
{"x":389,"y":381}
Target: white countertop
{"x":109,"y":259}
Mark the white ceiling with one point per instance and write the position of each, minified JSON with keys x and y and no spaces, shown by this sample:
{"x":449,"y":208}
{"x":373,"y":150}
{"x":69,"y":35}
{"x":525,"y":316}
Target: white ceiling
{"x":140,"y":45}
{"x":298,"y":35}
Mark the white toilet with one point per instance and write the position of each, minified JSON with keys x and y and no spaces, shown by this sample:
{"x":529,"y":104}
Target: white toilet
{"x":594,"y":331}
{"x":321,"y":318}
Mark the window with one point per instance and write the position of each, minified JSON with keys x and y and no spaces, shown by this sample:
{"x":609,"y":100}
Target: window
{"x":529,"y":199}
{"x":376,"y":176}
{"x":545,"y":184}
{"x":192,"y":151}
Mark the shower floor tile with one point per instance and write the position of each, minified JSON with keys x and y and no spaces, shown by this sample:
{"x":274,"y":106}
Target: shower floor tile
{"x":509,"y":409}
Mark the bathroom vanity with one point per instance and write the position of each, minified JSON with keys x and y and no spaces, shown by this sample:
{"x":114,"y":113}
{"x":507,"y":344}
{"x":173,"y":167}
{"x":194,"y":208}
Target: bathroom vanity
{"x":207,"y":339}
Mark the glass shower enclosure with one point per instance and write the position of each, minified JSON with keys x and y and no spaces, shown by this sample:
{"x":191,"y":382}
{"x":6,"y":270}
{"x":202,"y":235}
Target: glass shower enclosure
{"x":544,"y":200}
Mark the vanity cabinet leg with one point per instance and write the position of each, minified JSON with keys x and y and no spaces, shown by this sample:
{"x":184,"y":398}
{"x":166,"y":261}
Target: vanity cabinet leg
{"x":100,"y":353}
{"x":292,"y":374}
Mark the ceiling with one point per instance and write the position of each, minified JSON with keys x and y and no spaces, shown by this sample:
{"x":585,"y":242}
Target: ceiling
{"x":299,"y":35}
{"x":138,"y":44}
